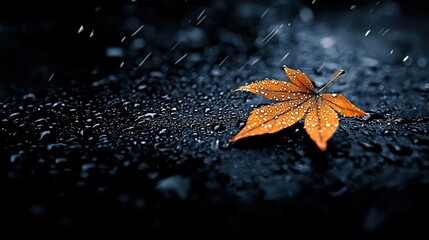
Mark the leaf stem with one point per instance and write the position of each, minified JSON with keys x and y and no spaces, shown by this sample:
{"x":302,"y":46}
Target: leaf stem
{"x":341,"y":72}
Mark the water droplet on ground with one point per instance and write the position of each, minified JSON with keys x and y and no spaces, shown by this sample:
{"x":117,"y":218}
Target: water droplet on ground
{"x":30,"y":97}
{"x":400,"y":150}
{"x":372,"y":147}
{"x":218,"y":127}
{"x":44,"y":135}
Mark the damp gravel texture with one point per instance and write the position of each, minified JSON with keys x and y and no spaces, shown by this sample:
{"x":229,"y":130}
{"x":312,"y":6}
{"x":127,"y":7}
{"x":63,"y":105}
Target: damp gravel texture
{"x":116,"y":121}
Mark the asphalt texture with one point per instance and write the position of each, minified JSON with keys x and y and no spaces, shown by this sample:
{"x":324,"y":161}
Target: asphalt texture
{"x":115,"y":119}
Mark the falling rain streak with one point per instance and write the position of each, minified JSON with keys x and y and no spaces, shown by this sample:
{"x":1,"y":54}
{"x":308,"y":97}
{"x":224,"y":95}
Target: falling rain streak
{"x":201,"y":14}
{"x":198,"y":23}
{"x":220,"y":64}
{"x":283,"y":58}
{"x":255,"y":61}
{"x":383,"y":32}
{"x":175,"y":45}
{"x":137,"y":31}
{"x":271,"y":34}
{"x":367,"y":33}
{"x":51,"y":77}
{"x":244,"y":65}
{"x":320,"y":69}
{"x":80,"y":29}
{"x":265,"y":12}
{"x":405,"y":58}
{"x":200,"y":17}
{"x":180,"y":59}
{"x":144,"y":60}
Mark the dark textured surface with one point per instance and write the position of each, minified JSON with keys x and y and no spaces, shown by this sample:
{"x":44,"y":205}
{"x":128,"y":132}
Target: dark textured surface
{"x":102,"y":135}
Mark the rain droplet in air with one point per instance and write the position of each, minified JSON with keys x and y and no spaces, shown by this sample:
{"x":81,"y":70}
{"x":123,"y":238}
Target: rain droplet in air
{"x":80,"y":29}
{"x":405,"y":58}
{"x":367,"y":33}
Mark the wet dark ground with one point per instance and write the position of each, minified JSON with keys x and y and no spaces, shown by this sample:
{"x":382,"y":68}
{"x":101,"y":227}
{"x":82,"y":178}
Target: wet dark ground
{"x":110,"y":130}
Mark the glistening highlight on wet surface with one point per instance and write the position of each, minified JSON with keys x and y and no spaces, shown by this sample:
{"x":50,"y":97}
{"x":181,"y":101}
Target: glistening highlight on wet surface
{"x":115,"y":119}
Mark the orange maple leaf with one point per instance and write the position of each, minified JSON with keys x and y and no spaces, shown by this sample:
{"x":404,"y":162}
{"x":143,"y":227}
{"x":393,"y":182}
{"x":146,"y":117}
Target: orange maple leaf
{"x":297,"y":99}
